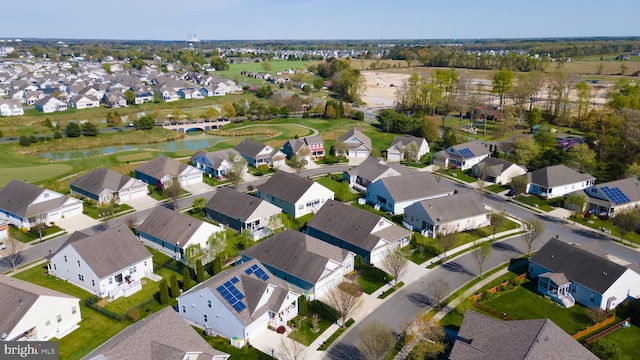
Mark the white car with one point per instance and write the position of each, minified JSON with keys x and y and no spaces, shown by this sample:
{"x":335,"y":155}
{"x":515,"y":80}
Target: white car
{"x":2,"y":246}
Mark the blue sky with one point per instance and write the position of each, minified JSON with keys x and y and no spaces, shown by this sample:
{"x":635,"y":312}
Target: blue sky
{"x":314,"y":19}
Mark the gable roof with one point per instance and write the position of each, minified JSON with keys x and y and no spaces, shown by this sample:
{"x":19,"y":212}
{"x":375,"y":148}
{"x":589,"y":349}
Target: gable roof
{"x":160,"y":336}
{"x":297,"y":254}
{"x":352,"y":225}
{"x":17,"y":297}
{"x":494,"y":166}
{"x":252,"y":148}
{"x":581,"y":266}
{"x":216,"y":158}
{"x":161,"y":166}
{"x":16,"y":197}
{"x":403,"y":140}
{"x":108,"y":251}
{"x":475,"y":149}
{"x":170,"y":226}
{"x":413,"y":186}
{"x":286,"y":186}
{"x":234,"y":204}
{"x":100,"y":179}
{"x":482,"y":338}
{"x":630,"y":187}
{"x":457,"y":206}
{"x":556,"y":175}
{"x":371,"y":168}
{"x":366,"y":141}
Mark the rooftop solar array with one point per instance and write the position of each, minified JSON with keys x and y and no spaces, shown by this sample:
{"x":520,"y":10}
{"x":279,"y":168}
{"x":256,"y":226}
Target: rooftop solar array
{"x":232,"y":295}
{"x":466,"y":153}
{"x":260,"y":274}
{"x":615,"y":195}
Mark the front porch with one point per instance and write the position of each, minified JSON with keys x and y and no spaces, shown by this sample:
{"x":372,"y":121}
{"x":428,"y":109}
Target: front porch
{"x":557,"y":287}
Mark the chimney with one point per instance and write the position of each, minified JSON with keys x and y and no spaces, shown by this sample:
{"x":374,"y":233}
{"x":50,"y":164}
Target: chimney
{"x":20,"y":302}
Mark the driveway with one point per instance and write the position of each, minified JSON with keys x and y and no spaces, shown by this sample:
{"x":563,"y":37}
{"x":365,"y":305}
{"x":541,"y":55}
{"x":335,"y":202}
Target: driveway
{"x":77,"y":223}
{"x":142,"y":203}
{"x":198,"y":188}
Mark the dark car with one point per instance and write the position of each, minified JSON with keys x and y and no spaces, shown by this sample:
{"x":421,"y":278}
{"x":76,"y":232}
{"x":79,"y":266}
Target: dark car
{"x":511,"y":193}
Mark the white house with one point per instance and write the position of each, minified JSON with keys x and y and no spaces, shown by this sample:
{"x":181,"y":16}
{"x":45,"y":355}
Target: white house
{"x":180,"y":236}
{"x":462,"y":156}
{"x":367,"y":172}
{"x":50,"y":104}
{"x":394,"y":194}
{"x":103,"y":185}
{"x":240,"y":303}
{"x":557,"y":180}
{"x":24,"y":205}
{"x":454,"y":213}
{"x":295,"y":195}
{"x":498,"y":171}
{"x":353,"y":144}
{"x":407,"y":147}
{"x":258,"y":154}
{"x":11,"y":107}
{"x":312,"y":266}
{"x":161,"y":171}
{"x":108,"y":264}
{"x":570,"y":274}
{"x":34,"y":313}
{"x":84,"y":102}
{"x":216,"y":163}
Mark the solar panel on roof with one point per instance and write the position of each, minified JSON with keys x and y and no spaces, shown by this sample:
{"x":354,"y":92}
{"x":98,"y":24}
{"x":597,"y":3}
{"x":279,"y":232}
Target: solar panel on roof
{"x":234,"y":280}
{"x":615,"y":195}
{"x":220,"y":288}
{"x":231,"y":294}
{"x":239,"y":306}
{"x":248,"y":271}
{"x":466,"y":153}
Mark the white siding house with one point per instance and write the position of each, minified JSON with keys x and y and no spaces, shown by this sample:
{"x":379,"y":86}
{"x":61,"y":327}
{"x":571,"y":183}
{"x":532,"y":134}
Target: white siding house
{"x":295,"y":195}
{"x":394,"y":194}
{"x":558,"y":180}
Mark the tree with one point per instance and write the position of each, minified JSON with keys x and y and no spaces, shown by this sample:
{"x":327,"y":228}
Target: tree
{"x":429,"y":130}
{"x":447,"y":239}
{"x":217,"y":265}
{"x":626,"y":221}
{"x":581,"y":158}
{"x":497,"y":221}
{"x":198,"y":205}
{"x":173,"y":192}
{"x":211,"y":113}
{"x":266,"y":65}
{"x":483,"y":172}
{"x":199,"y":271}
{"x":236,"y":173}
{"x":575,"y":202}
{"x":426,"y":335}
{"x":375,"y":340}
{"x":146,"y":122}
{"x":535,"y":229}
{"x":89,"y":129}
{"x":186,"y":278}
{"x":519,"y":184}
{"x":24,"y":141}
{"x":396,"y":264}
{"x":343,"y":191}
{"x":130,"y":96}
{"x":40,"y":226}
{"x":303,"y":308}
{"x":290,"y":349}
{"x":345,"y":303}
{"x":299,"y":160}
{"x":114,"y":118}
{"x":437,"y":290}
{"x":73,"y":130}
{"x":481,"y":253}
{"x":175,"y":289}
{"x":163,"y":292}
{"x":502,"y":84}
{"x":606,"y":349}
{"x":525,"y":150}
{"x":13,"y":251}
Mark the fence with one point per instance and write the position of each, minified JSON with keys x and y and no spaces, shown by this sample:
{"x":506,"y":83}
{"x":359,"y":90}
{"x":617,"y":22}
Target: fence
{"x":494,"y":289}
{"x":595,"y":327}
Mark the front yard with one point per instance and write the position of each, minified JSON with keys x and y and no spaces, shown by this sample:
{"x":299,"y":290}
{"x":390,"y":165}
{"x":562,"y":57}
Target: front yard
{"x":304,"y":329}
{"x":459,"y":174}
{"x":597,"y":224}
{"x":538,"y":202}
{"x":98,"y":212}
{"x":32,"y":234}
{"x":223,"y":344}
{"x":340,"y":187}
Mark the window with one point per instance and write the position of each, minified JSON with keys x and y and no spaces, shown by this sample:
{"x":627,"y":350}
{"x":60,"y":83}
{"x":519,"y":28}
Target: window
{"x":593,"y":297}
{"x":65,"y":258}
{"x":300,"y":207}
{"x":78,"y":263}
{"x":81,"y":277}
{"x":184,"y":309}
{"x":110,"y":280}
{"x":206,"y":318}
{"x":209,"y":303}
{"x":47,"y":323}
{"x":59,"y":318}
{"x":132,"y":270}
{"x":93,"y":282}
{"x":74,"y":310}
{"x":54,"y":267}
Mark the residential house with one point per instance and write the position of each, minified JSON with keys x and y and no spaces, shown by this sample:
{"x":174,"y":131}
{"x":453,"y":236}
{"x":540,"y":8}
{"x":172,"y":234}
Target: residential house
{"x":240,"y":303}
{"x":103,"y":185}
{"x":483,"y":338}
{"x":498,"y":171}
{"x":557,"y":180}
{"x":24,"y":205}
{"x":313,"y":144}
{"x":295,"y":195}
{"x":4,"y":230}
{"x":216,"y":163}
{"x":161,"y":171}
{"x":462,"y":156}
{"x":114,"y":100}
{"x":258,"y":154}
{"x":32,"y":96}
{"x":29,"y":312}
{"x":144,"y":97}
{"x":168,"y":94}
{"x":362,"y":232}
{"x":455,"y":213}
{"x":11,"y":107}
{"x":162,"y":335}
{"x":393,"y":194}
{"x":180,"y":236}
{"x":84,"y":101}
{"x":49,"y":104}
{"x":312,"y":266}
{"x":190,"y":93}
{"x":612,"y":197}
{"x":297,"y":149}
{"x":407,"y":147}
{"x":243,"y":213}
{"x":353,"y":144}
{"x":485,"y":112}
{"x":570,"y":274}
{"x":371,"y":170}
{"x":110,"y":263}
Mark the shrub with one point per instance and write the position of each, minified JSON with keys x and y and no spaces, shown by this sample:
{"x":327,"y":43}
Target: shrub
{"x":263,"y":168}
{"x":24,"y":230}
{"x":281,"y":329}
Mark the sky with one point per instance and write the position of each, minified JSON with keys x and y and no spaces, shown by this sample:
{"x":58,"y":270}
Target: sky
{"x":317,"y":20}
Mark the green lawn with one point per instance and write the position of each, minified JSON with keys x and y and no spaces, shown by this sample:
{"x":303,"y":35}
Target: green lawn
{"x":626,"y":339}
{"x":460,"y":175}
{"x":371,"y":278}
{"x":596,"y":223}
{"x":304,"y":334}
{"x":535,"y":201}
{"x":94,"y":211}
{"x":223,"y":344}
{"x":32,"y":234}
{"x":495,"y":188}
{"x":333,"y":183}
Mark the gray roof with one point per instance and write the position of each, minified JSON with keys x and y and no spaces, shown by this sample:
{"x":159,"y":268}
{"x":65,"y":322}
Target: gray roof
{"x":482,"y":338}
{"x":404,"y":140}
{"x":453,"y":207}
{"x":494,"y":166}
{"x":579,"y":265}
{"x":413,"y":186}
{"x":216,"y":157}
{"x":297,"y":254}
{"x":108,"y":251}
{"x":286,"y":186}
{"x":629,"y":187}
{"x":371,"y":168}
{"x":161,"y":166}
{"x":366,"y":141}
{"x":16,"y":197}
{"x":252,"y":148}
{"x":234,"y":204}
{"x":558,"y":278}
{"x":252,"y":288}
{"x":313,"y":139}
{"x":352,"y":225}
{"x":556,"y":175}
{"x":477,"y":148}
{"x":16,"y":298}
{"x":100,"y":179}
{"x":161,"y":336}
{"x":169,"y":226}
